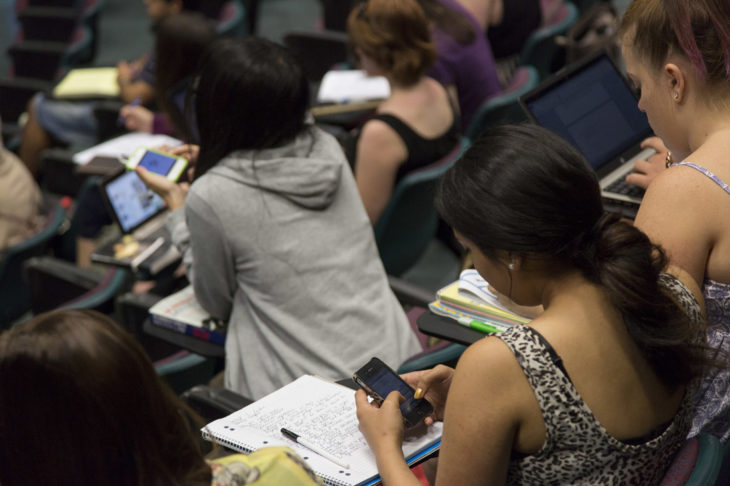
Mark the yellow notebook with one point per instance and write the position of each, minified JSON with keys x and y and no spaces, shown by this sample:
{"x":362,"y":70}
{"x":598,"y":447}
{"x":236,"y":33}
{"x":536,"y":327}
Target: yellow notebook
{"x":450,"y":295}
{"x":88,"y":83}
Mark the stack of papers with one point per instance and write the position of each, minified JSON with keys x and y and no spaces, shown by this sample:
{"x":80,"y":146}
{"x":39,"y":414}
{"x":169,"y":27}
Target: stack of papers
{"x":352,"y":85}
{"x":469,"y":298}
{"x":124,"y":146}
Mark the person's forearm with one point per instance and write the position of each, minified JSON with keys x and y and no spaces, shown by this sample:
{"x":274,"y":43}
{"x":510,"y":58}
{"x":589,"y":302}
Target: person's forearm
{"x":130,"y":91}
{"x":393,"y":468}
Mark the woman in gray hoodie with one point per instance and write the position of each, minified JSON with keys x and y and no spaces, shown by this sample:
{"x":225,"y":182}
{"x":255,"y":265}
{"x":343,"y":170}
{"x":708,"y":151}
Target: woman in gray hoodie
{"x":275,"y":237}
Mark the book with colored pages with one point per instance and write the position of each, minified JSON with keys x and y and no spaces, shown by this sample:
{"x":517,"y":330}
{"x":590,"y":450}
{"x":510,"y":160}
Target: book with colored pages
{"x":181,"y":312}
{"x":464,"y":316}
{"x":470,"y":298}
{"x":322,"y":412}
{"x":449,"y":296}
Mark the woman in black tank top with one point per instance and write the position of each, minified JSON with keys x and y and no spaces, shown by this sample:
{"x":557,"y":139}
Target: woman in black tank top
{"x":417,"y":125}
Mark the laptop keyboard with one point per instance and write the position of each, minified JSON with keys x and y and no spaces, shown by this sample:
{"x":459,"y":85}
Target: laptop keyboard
{"x":620,"y":186}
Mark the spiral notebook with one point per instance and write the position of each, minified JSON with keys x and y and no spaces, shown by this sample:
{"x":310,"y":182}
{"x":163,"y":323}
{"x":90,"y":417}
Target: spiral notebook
{"x":323,"y":412}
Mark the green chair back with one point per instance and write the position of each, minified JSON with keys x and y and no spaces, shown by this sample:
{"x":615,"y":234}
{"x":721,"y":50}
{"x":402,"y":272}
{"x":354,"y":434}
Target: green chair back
{"x":232,"y":19}
{"x":541,"y":50}
{"x":505,"y":107}
{"x":14,"y":288}
{"x":184,"y":370}
{"x":409,"y":221}
{"x":709,"y":461}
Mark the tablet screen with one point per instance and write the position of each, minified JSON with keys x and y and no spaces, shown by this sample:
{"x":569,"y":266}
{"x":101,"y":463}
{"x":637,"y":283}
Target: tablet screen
{"x":131,"y":201}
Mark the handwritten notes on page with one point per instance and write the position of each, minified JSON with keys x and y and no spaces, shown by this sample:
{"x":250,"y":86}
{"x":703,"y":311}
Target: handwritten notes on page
{"x":321,"y":412}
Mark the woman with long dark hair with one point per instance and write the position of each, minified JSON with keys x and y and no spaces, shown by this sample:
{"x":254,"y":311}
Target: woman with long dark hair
{"x":274,"y":233}
{"x":595,"y":390}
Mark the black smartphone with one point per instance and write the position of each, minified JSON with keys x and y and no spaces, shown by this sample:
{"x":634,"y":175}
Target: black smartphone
{"x":378,"y":380}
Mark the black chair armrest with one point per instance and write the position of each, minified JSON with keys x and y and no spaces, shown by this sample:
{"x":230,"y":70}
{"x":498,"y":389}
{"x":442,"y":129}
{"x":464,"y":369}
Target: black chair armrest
{"x":106,"y":113}
{"x":54,"y":282}
{"x":16,"y":92}
{"x":37,"y":59}
{"x":44,"y":23}
{"x":410,"y":294}
{"x":213,"y":403}
{"x":59,"y":172}
{"x":318,"y":50}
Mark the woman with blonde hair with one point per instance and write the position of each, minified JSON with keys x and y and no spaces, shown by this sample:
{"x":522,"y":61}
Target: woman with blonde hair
{"x":417,"y":125}
{"x":677,"y":53}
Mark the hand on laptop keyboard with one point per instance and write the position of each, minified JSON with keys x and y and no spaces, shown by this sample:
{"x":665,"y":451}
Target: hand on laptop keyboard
{"x":621,"y":186}
{"x":646,"y":170}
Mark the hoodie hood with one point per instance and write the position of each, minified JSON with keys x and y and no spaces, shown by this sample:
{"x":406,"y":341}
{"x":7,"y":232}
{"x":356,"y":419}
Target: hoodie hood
{"x":306,"y":171}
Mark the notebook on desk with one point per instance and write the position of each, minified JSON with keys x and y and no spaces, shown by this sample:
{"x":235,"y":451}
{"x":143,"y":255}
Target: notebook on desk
{"x":591,"y":105}
{"x":324,"y":413}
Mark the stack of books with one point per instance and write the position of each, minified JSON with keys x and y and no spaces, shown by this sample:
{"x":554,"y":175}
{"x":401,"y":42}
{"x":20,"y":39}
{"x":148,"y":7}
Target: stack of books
{"x":182,"y":313}
{"x":470,"y":302}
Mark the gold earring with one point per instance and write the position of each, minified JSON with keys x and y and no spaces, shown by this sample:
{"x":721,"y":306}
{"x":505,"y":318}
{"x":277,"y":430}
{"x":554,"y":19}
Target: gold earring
{"x":676,"y":95}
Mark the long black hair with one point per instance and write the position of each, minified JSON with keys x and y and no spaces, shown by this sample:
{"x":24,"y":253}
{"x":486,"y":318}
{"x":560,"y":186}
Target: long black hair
{"x":180,"y":41}
{"x":250,"y":93}
{"x":524,"y":190}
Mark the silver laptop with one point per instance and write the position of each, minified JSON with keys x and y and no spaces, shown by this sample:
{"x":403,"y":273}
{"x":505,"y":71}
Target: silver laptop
{"x":591,"y":105}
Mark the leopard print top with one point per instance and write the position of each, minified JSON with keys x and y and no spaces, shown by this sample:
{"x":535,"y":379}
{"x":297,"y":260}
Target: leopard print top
{"x":578,"y":450}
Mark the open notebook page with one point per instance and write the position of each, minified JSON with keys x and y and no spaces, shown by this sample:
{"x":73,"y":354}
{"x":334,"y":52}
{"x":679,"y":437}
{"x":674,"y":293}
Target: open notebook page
{"x":320,"y":411}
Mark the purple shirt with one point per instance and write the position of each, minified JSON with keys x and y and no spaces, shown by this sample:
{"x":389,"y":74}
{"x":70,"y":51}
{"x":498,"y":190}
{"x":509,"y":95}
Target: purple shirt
{"x":469,"y":68}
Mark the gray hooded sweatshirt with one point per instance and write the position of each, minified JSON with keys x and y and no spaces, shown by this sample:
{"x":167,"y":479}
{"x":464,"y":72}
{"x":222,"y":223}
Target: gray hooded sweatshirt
{"x":278,"y":244}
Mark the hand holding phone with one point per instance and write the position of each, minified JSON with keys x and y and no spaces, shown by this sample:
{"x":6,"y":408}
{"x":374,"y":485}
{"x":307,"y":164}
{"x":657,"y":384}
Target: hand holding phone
{"x":168,"y":165}
{"x":433,"y":385}
{"x":378,"y":380}
{"x":172,"y":193}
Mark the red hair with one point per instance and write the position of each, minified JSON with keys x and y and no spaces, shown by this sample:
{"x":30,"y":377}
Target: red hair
{"x":395,"y":35}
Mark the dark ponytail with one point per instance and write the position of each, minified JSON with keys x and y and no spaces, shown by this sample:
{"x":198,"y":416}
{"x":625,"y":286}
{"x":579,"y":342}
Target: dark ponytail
{"x":622,"y":260}
{"x":524,"y":190}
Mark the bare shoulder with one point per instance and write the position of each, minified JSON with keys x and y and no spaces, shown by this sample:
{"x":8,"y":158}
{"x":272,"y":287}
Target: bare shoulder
{"x":493,"y":369}
{"x":676,"y":180}
{"x":481,"y":399}
{"x":676,"y":192}
{"x":378,"y":138}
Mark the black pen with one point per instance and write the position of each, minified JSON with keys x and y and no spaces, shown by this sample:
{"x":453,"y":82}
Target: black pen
{"x":295,"y":437}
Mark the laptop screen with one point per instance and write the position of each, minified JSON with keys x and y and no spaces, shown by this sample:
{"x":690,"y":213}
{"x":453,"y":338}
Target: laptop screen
{"x":130,"y":200}
{"x":593,"y":108}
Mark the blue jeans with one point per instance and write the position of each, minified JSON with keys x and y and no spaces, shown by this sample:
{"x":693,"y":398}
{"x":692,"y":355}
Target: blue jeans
{"x":8,"y":32}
